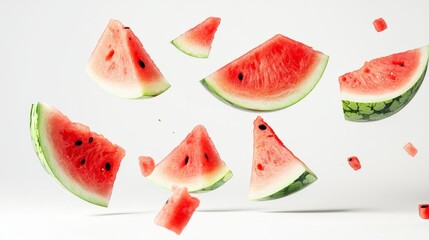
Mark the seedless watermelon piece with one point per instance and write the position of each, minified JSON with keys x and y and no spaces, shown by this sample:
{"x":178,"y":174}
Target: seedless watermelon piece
{"x":274,"y":75}
{"x":424,"y":211}
{"x":354,"y":162}
{"x":147,"y":164}
{"x":276,"y":171}
{"x":410,"y":149}
{"x":121,"y":65}
{"x":178,"y":210}
{"x":383,"y":86}
{"x":379,"y":24}
{"x":197,"y":42}
{"x":194,"y":164}
{"x":83,"y":162}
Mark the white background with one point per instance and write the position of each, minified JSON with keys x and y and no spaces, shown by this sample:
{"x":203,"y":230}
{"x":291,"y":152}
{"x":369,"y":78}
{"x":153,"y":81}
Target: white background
{"x":44,"y":49}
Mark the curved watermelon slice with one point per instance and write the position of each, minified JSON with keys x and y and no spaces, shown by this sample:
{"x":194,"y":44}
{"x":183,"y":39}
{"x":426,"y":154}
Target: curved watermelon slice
{"x":197,"y":42}
{"x":274,"y":75}
{"x":120,"y":65}
{"x":383,"y":86}
{"x":194,"y":164}
{"x":276,"y":171}
{"x":83,"y":162}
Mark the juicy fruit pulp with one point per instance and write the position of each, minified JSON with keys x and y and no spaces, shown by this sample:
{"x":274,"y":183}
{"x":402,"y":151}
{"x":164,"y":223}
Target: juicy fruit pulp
{"x":121,"y":66}
{"x":410,"y":149}
{"x":83,"y":162}
{"x":424,"y":211}
{"x":194,"y":164}
{"x":379,"y":24}
{"x":147,"y":164}
{"x":178,"y":210}
{"x":383,"y":86}
{"x":197,"y":42}
{"x":274,"y":75}
{"x":354,"y":163}
{"x":276,"y":171}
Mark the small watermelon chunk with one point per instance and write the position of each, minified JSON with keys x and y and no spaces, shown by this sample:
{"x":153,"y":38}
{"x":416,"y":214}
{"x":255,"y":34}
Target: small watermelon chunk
{"x":354,"y":162}
{"x":194,"y":164}
{"x":379,"y":24}
{"x":83,"y":162}
{"x":383,"y":86}
{"x":410,"y":149}
{"x":178,"y":210}
{"x":147,"y":164}
{"x":197,"y":42}
{"x":276,"y":171}
{"x":272,"y":76}
{"x":424,"y":211}
{"x":120,"y":65}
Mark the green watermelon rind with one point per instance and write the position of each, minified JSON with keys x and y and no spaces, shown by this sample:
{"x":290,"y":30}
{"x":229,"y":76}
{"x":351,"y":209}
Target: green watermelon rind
{"x":191,"y":49}
{"x":304,"y":180}
{"x":377,"y":110}
{"x":44,"y":153}
{"x":222,"y":175}
{"x":270,"y":105}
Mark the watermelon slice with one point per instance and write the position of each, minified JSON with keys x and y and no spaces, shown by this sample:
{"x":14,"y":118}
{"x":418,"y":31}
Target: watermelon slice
{"x":83,"y":162}
{"x":383,"y":86}
{"x":178,"y":210}
{"x":379,"y":24}
{"x":147,"y":164}
{"x":194,"y":164}
{"x":197,"y":42}
{"x":276,"y":171}
{"x":121,"y":66}
{"x":274,"y":75}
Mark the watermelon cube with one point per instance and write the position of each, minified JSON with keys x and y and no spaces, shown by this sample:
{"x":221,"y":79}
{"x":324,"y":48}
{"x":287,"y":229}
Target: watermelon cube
{"x":410,"y":149}
{"x":178,"y":210}
{"x":147,"y":164}
{"x":354,"y":163}
{"x":379,"y":24}
{"x":424,"y":211}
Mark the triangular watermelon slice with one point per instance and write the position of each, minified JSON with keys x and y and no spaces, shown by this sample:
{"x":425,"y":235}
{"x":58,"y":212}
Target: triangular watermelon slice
{"x":121,"y":66}
{"x":276,"y":171}
{"x":272,"y":76}
{"x":197,"y":42}
{"x":194,"y":164}
{"x":83,"y":162}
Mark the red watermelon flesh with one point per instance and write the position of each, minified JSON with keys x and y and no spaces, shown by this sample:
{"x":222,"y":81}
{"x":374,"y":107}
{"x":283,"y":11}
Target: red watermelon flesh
{"x":178,"y":210}
{"x":147,"y":164}
{"x":197,"y":42}
{"x":410,"y":149}
{"x":274,"y":75}
{"x":276,"y":171}
{"x":379,"y":24}
{"x":82,"y":161}
{"x":194,"y":163}
{"x":121,"y":65}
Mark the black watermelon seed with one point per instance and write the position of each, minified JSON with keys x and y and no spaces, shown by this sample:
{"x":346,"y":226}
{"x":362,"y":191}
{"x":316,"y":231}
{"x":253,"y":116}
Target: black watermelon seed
{"x":240,"y":76}
{"x":108,"y":167}
{"x":262,"y":127}
{"x":78,"y":143}
{"x":126,"y":27}
{"x":82,"y":162}
{"x":207,"y":156}
{"x":90,"y":139}
{"x":350,"y":159}
{"x":166,"y":202}
{"x":186,"y":160}
{"x":424,"y":206}
{"x":141,"y":63}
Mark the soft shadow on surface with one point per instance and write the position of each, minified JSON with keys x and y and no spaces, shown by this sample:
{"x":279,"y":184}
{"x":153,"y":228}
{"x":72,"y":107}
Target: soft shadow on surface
{"x":228,"y":210}
{"x":333,"y":210}
{"x":119,"y":213}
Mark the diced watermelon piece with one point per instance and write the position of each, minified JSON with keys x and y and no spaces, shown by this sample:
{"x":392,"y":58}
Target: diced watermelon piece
{"x":354,"y":162}
{"x":147,"y":164}
{"x":178,"y":210}
{"x":379,"y":24}
{"x":410,"y":149}
{"x":424,"y":211}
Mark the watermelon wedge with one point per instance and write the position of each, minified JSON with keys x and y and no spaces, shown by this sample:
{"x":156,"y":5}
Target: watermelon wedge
{"x":120,"y":65}
{"x":178,"y":210}
{"x":276,"y":171}
{"x":83,"y":162}
{"x":272,"y":76}
{"x":197,"y":42}
{"x":383,"y":86}
{"x":194,"y":164}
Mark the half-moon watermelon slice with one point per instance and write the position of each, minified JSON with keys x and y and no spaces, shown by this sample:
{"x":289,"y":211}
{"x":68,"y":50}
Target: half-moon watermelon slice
{"x":383,"y":86}
{"x":197,"y":42}
{"x":120,"y":65}
{"x":276,"y":171}
{"x":83,"y":162}
{"x":194,"y":164}
{"x":274,"y":75}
